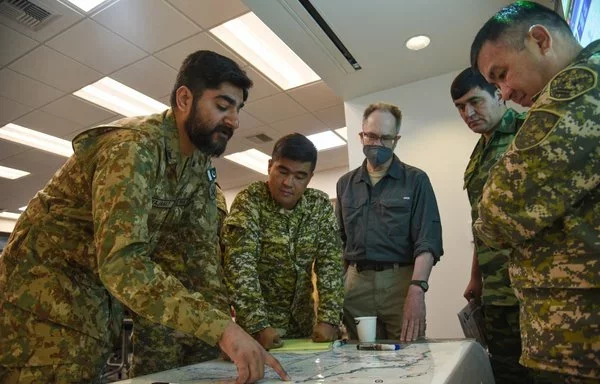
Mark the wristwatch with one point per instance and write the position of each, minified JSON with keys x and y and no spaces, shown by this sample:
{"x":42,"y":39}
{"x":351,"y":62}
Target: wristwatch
{"x":420,"y":283}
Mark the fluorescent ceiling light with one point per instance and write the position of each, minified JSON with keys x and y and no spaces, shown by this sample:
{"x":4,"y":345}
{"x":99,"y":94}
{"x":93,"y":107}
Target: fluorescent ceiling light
{"x":35,"y":139}
{"x":255,"y":42}
{"x":117,"y":97}
{"x":326,"y":140}
{"x":253,"y":159}
{"x":9,"y":215}
{"x":23,"y":208}
{"x":343,"y":132}
{"x":416,"y":43}
{"x":86,"y":5}
{"x":11,"y":173}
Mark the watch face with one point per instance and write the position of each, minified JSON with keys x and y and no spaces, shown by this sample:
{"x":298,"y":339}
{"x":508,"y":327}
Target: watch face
{"x":424,"y":285}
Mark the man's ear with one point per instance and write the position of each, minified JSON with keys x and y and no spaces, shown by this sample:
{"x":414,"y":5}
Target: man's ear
{"x":184,"y":99}
{"x":542,"y":38}
{"x":270,"y":164}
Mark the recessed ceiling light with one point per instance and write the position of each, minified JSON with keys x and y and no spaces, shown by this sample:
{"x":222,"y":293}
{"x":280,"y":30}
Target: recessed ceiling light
{"x":11,"y":173}
{"x":253,"y":159}
{"x":117,"y":97}
{"x":326,"y":140}
{"x":343,"y":132}
{"x":418,"y":42}
{"x":254,"y":41}
{"x":86,"y":5}
{"x":23,"y":208}
{"x":9,"y":215}
{"x":35,"y":139}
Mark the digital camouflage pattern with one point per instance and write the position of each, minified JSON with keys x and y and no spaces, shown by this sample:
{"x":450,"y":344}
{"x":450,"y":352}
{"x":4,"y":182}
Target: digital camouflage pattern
{"x":543,"y":199}
{"x":127,"y":217}
{"x":493,"y":263}
{"x":269,"y":257}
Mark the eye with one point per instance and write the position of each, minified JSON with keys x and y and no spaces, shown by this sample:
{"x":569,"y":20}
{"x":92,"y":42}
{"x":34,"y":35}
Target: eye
{"x":221,"y":107}
{"x":502,"y":75}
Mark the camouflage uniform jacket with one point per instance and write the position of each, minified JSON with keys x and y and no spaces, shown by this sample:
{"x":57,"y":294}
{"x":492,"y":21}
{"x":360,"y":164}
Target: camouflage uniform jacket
{"x":126,"y":217}
{"x":542,"y":198}
{"x":493,"y":263}
{"x":269,"y":258}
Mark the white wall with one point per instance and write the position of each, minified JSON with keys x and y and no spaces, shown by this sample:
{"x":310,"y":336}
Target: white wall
{"x":436,"y":140}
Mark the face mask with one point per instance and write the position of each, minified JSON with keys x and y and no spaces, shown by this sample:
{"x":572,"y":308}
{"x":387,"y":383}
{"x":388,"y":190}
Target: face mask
{"x":377,"y":154}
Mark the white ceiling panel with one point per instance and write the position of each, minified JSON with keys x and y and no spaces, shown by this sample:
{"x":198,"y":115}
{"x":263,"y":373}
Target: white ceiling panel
{"x":305,"y":124}
{"x":333,"y":117}
{"x":248,"y":121}
{"x":210,"y":13}
{"x":14,"y":44}
{"x":55,"y":69}
{"x":275,"y":108}
{"x":35,"y":161}
{"x":26,"y":90}
{"x":332,"y":158}
{"x":315,"y":96}
{"x":8,"y":149}
{"x":175,"y":54}
{"x":150,"y":24}
{"x":47,"y":123}
{"x":64,"y":17}
{"x":95,"y":46}
{"x":266,"y":130}
{"x":10,"y":110}
{"x":77,"y":110}
{"x":137,"y":75}
{"x":262,"y":87}
{"x":232,"y":175}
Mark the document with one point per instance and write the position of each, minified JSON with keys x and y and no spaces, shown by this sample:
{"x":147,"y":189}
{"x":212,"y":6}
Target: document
{"x":301,"y":345}
{"x":471,"y":321}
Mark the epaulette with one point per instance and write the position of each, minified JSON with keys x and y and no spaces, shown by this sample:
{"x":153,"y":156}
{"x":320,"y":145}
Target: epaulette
{"x":571,"y":83}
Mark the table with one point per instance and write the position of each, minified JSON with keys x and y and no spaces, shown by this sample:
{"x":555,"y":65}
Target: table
{"x":433,"y":361}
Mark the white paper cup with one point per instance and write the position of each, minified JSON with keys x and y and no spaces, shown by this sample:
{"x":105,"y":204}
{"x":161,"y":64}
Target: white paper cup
{"x":366,"y":327}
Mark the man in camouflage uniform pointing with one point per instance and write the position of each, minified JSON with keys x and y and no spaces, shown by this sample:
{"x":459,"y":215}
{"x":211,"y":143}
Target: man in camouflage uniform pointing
{"x":116,"y":224}
{"x":542,"y":198}
{"x":275,"y":235}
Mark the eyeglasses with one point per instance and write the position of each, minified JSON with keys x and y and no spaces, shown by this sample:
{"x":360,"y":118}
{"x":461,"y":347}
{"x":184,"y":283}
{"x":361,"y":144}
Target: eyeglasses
{"x":371,"y":138}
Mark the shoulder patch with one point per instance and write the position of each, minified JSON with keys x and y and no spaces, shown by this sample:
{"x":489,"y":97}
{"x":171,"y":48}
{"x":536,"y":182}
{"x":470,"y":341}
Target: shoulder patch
{"x":572,"y":82}
{"x":536,"y":127}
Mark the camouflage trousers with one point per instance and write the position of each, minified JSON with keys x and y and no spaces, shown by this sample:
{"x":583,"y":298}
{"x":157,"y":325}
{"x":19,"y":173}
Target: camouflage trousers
{"x":545,"y":377}
{"x":40,"y":352}
{"x":158,"y":348}
{"x":503,"y":338}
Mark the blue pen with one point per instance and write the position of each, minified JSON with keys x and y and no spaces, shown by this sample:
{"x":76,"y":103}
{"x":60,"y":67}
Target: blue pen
{"x":378,"y":347}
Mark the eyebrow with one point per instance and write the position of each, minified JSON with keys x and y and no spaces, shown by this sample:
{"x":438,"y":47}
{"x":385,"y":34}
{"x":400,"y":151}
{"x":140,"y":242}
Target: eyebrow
{"x":230,"y":100}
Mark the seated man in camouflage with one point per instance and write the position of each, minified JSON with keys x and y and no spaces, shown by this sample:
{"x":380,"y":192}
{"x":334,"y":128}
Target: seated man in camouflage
{"x":276,"y":233}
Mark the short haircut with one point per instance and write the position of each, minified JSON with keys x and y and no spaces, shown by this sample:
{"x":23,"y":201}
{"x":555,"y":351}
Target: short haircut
{"x":467,"y":80}
{"x":512,"y":23}
{"x":394,"y":110}
{"x":208,"y":70}
{"x":296,"y":147}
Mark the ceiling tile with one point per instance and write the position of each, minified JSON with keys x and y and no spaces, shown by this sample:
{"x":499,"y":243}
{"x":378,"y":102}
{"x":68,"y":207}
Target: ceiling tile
{"x":95,"y":46}
{"x":231,"y":175}
{"x":55,"y":69}
{"x":333,"y":117}
{"x":10,"y":110}
{"x":47,"y":123}
{"x":77,"y":110}
{"x":262,"y":87}
{"x":305,"y":124}
{"x":332,"y":158}
{"x":315,"y":96}
{"x":35,"y":161}
{"x":149,"y":24}
{"x":266,"y":130}
{"x":275,"y":108}
{"x":136,"y":76}
{"x":247,"y":121}
{"x":66,"y":18}
{"x":175,"y":54}
{"x":25,"y":90}
{"x":210,"y":13}
{"x":8,"y":149}
{"x":14,"y":44}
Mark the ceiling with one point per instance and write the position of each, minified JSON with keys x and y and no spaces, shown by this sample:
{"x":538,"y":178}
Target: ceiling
{"x":141,"y":43}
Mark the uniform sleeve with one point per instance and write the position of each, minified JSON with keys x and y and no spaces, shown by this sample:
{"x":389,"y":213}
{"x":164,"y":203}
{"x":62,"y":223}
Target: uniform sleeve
{"x":551,"y":166}
{"x":426,"y":227}
{"x":329,"y":267}
{"x":123,"y":177}
{"x":241,"y":241}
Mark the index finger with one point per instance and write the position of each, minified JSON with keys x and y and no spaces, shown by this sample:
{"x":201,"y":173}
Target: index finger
{"x":276,"y":365}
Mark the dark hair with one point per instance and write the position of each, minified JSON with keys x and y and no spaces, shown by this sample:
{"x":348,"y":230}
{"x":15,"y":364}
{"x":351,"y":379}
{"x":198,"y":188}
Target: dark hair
{"x":208,"y":70}
{"x":296,"y":147}
{"x":512,"y":23}
{"x":467,"y":80}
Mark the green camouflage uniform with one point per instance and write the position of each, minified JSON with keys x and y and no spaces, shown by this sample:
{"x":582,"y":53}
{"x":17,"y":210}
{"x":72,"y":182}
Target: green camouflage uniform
{"x":543,"y":199}
{"x":501,"y":308}
{"x":127,"y":218}
{"x":269,"y":257}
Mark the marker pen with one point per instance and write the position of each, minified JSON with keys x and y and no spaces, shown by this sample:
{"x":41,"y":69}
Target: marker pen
{"x":378,"y":347}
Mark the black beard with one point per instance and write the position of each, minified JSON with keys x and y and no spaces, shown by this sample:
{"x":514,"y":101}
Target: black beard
{"x":202,"y":136}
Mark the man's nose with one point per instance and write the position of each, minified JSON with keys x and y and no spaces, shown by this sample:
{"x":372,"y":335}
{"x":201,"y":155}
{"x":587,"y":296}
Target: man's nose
{"x":232,"y":120}
{"x":505,"y":91}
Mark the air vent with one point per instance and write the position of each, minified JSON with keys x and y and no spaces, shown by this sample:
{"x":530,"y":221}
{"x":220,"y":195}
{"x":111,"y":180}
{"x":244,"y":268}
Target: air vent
{"x":26,"y":13}
{"x":261,"y":138}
